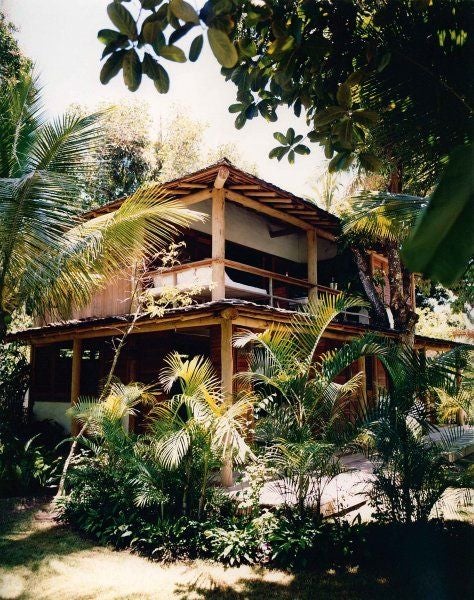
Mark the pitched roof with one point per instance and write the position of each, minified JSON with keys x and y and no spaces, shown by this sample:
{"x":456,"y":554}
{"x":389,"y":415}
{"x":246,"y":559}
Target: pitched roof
{"x":244,"y":183}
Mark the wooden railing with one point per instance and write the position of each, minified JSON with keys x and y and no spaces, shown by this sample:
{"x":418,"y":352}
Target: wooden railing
{"x":271,"y":276}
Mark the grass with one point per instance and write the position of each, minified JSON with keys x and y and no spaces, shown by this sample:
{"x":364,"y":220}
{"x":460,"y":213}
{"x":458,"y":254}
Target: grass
{"x":42,"y":560}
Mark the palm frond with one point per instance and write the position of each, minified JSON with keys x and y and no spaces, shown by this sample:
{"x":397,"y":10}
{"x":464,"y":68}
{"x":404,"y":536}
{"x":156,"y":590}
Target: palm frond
{"x":382,"y":215}
{"x":98,"y":250}
{"x":309,"y":325}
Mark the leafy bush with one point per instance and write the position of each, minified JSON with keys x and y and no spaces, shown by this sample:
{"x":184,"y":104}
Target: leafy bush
{"x":410,"y":467}
{"x":14,"y":379}
{"x":27,"y":466}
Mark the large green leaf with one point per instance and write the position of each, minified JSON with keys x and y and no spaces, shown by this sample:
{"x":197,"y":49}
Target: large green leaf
{"x":222,"y":47}
{"x":150,"y":4}
{"x":111,"y":67}
{"x":122,"y":19}
{"x":344,"y":95}
{"x":153,"y":35}
{"x":105,"y":36}
{"x":442,"y":242}
{"x":328,"y":115}
{"x":155,"y":71}
{"x":184,"y":11}
{"x":196,"y":47}
{"x":172,"y":53}
{"x":280,"y":137}
{"x":132,"y":70}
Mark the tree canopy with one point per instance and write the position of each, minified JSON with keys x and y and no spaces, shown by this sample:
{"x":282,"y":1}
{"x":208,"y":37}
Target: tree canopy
{"x":12,"y":61}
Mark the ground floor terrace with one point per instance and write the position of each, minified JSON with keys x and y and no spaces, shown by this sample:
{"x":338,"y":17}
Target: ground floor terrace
{"x":70,"y":359}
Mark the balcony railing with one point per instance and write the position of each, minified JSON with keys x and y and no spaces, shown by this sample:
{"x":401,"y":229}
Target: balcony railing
{"x":276,"y":289}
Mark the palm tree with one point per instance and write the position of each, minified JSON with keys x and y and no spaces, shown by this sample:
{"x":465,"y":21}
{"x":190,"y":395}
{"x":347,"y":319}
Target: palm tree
{"x":50,"y":260}
{"x":200,"y":417}
{"x":109,"y":441}
{"x":398,"y":435}
{"x":384,"y":220}
{"x":300,"y":408}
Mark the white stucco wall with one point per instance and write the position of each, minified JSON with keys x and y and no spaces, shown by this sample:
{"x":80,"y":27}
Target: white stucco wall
{"x":250,"y":229}
{"x":55,"y":411}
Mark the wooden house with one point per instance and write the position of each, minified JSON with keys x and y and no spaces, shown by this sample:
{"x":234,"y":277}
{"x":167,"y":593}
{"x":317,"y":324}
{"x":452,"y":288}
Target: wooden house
{"x":258,"y":257}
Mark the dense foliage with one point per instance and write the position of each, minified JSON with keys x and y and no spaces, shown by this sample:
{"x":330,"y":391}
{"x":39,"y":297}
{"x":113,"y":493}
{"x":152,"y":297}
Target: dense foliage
{"x":12,"y":61}
{"x":410,"y":466}
{"x":51,"y":261}
{"x":158,"y":492}
{"x":28,"y":454}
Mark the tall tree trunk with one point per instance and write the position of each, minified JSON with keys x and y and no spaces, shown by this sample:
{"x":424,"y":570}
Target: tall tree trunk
{"x":363,"y":265}
{"x":399,"y":279}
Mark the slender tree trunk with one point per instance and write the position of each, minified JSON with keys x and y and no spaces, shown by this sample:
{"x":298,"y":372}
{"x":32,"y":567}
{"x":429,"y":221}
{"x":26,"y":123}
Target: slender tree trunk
{"x":363,"y":266}
{"x":400,"y":296}
{"x":186,"y":485}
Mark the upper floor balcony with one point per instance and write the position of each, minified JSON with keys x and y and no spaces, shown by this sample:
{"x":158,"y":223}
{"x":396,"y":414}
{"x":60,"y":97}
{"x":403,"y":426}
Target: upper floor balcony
{"x":258,"y":243}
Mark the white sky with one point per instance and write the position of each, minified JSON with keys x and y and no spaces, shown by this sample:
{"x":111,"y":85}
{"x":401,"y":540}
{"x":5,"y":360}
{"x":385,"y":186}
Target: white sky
{"x":61,"y":38}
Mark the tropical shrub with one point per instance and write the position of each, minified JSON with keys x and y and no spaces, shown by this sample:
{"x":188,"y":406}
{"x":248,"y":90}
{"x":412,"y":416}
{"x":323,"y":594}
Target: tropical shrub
{"x":29,"y":458}
{"x":301,"y":419}
{"x":14,"y":379}
{"x":126,"y":486}
{"x":408,"y":451}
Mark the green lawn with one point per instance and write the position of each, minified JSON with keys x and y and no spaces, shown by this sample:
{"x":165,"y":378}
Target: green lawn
{"x":41,"y":560}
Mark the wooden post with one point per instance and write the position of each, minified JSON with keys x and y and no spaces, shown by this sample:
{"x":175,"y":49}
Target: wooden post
{"x":218,"y":244}
{"x":75,"y":379}
{"x":30,"y":394}
{"x":312,"y":242}
{"x":227,"y":372}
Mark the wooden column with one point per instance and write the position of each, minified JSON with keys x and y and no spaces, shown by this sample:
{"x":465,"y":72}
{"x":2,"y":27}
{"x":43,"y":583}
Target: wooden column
{"x":312,"y":242}
{"x":30,"y":393}
{"x":218,"y":244}
{"x":75,"y":379}
{"x":227,"y":372}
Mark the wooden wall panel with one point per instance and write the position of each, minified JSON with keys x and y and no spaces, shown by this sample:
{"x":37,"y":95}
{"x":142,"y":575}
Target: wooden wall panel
{"x":114,"y":299}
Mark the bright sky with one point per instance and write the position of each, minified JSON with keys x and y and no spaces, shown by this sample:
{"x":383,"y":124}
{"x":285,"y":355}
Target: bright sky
{"x":61,"y":38}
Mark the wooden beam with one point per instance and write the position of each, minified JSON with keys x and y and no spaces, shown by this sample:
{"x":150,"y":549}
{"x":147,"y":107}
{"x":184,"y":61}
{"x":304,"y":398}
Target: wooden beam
{"x":244,"y":187}
{"x":312,"y":257}
{"x":282,"y":232}
{"x":221,"y":178}
{"x":107,"y":331}
{"x":266,"y":210}
{"x":227,"y":373}
{"x":277,"y":214}
{"x":193,"y":185}
{"x":76,"y":379}
{"x":218,"y":244}
{"x":196,"y":197}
